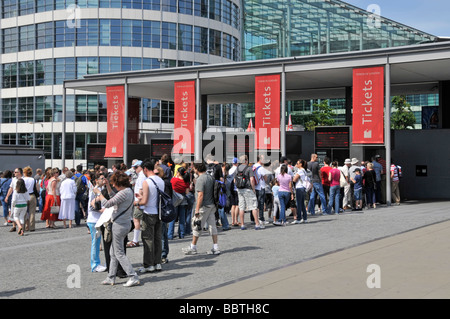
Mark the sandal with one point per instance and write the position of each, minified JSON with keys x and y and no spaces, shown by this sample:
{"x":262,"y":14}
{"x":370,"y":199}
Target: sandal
{"x":20,"y":232}
{"x":132,"y":244}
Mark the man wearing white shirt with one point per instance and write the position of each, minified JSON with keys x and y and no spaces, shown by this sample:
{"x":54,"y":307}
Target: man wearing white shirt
{"x":259,"y":172}
{"x":284,"y":161}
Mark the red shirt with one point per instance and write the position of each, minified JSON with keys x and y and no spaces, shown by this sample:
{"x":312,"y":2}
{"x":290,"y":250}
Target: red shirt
{"x":179,"y":185}
{"x":324,"y":175}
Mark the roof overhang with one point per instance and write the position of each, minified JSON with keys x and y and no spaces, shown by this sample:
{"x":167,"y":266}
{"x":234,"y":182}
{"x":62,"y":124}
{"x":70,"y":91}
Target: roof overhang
{"x":414,"y":70}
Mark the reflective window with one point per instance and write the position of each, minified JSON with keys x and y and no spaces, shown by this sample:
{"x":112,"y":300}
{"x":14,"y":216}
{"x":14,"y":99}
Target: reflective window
{"x":214,"y":42}
{"x":10,"y":40}
{"x":169,"y":35}
{"x":201,"y":8}
{"x":9,"y":110}
{"x":184,"y":37}
{"x":10,"y":8}
{"x":44,"y":72}
{"x":169,"y":5}
{"x":44,"y":35}
{"x":9,"y":75}
{"x":26,"y":73}
{"x":26,"y":109}
{"x":27,"y":38}
{"x":200,"y":40}
{"x":185,"y":6}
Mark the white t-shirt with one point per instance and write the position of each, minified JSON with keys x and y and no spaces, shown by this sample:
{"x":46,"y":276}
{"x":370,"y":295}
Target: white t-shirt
{"x":277,"y":171}
{"x":138,"y":185}
{"x":259,"y":172}
{"x":29,"y":184}
{"x":302,"y":174}
{"x":150,"y":208}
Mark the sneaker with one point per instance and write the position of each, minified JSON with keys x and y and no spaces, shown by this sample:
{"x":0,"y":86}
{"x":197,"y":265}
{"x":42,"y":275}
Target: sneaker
{"x":277,"y":223}
{"x":109,"y":281}
{"x":158,"y":267}
{"x":133,"y":281}
{"x":100,"y":268}
{"x":215,"y":251}
{"x":143,"y":270}
{"x":243,"y":228}
{"x":263,"y":222}
{"x":164,"y":260}
{"x":189,"y":251}
{"x":259,"y":227}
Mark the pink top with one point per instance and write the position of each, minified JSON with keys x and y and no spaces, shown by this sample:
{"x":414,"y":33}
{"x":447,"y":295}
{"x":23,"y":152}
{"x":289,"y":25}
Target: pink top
{"x":335,"y":177}
{"x":284,"y":182}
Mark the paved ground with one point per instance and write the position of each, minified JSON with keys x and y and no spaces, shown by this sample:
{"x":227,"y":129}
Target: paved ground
{"x":326,"y":258}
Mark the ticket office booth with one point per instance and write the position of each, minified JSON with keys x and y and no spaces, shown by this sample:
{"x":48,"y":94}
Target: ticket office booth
{"x":332,"y":142}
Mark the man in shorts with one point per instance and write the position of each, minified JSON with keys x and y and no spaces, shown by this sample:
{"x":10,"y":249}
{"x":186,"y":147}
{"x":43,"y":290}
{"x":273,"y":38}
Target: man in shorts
{"x":204,"y":211}
{"x":246,"y":193}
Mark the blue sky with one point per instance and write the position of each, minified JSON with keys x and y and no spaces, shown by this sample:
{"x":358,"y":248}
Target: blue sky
{"x":432,"y":16}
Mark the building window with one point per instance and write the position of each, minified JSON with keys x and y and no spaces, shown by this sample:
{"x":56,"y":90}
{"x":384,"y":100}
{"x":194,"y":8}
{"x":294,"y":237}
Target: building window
{"x":215,"y":9}
{"x":152,"y":34}
{"x":9,"y":139}
{"x":88,"y":33}
{"x":131,"y":33}
{"x":10,"y":40}
{"x":44,"y":109}
{"x":27,"y":38}
{"x":26,"y":7}
{"x":201,"y":8}
{"x":45,"y":74}
{"x":44,"y":5}
{"x":10,"y":8}
{"x":110,"y":32}
{"x":215,"y":42}
{"x":169,"y":5}
{"x":227,"y":50}
{"x":227,"y":11}
{"x":169,"y":35}
{"x":185,"y":6}
{"x":201,"y":40}
{"x":44,"y":35}
{"x":9,"y":76}
{"x":26,"y":74}
{"x":184,"y":37}
{"x":64,"y":35}
{"x":109,"y":65}
{"x":87,"y":66}
{"x":26,"y":107}
{"x":9,"y":110}
{"x":65,"y":69}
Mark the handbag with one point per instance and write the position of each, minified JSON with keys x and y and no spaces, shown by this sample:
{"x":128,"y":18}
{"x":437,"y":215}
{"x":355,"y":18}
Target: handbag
{"x":177,"y":199}
{"x":54,"y":210}
{"x":107,"y":235}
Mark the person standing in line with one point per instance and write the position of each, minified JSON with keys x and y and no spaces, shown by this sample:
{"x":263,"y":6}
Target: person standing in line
{"x":377,"y":168}
{"x":260,"y":174}
{"x":324,"y":174}
{"x":68,"y":191}
{"x":334,"y":176}
{"x":346,"y":201}
{"x":300,"y":190}
{"x":276,"y":200}
{"x":5,"y":182}
{"x":151,"y":223}
{"x":52,"y":198}
{"x":18,"y":174}
{"x":317,"y":188}
{"x":121,"y":226}
{"x":80,"y":191}
{"x":138,"y":211}
{"x":246,"y":193}
{"x":370,"y":184}
{"x":357,"y":188}
{"x":19,"y":202}
{"x":179,"y":186}
{"x":395,"y":180}
{"x":30,"y":184}
{"x":205,"y":209}
{"x":94,"y":213}
{"x":284,"y":193}
{"x":234,"y":198}
{"x":351,"y":174}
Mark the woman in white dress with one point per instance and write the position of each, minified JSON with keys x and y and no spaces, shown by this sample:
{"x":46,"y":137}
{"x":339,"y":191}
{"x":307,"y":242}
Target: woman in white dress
{"x":68,"y":191}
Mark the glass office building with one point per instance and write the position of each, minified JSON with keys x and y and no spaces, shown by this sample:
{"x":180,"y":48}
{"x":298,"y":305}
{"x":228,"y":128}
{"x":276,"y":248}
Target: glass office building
{"x":44,"y":42}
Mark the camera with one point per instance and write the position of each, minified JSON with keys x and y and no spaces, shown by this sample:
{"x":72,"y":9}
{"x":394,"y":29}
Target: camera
{"x":197,"y":223}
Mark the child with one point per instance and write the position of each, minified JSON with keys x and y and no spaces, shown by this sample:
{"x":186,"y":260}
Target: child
{"x":19,"y":203}
{"x":358,"y":189}
{"x":276,"y":200}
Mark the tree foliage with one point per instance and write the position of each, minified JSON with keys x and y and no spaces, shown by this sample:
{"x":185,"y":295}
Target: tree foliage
{"x":403,"y":117}
{"x":323,"y":115}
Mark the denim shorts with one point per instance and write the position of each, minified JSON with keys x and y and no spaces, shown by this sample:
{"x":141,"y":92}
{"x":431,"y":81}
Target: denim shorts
{"x":358,"y":194}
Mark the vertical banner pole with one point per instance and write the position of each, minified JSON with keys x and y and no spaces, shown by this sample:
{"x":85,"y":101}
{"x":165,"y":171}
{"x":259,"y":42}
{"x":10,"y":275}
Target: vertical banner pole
{"x":63,"y":132}
{"x":283,"y":114}
{"x":387,"y":127}
{"x":125,"y":130}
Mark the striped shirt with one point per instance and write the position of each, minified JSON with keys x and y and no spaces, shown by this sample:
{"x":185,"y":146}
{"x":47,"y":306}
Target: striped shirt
{"x":395,"y":171}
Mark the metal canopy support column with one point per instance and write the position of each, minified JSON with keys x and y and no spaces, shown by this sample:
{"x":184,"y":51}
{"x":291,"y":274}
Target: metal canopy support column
{"x":387,"y":128}
{"x":63,"y":130}
{"x":125,"y":130}
{"x":283,"y":114}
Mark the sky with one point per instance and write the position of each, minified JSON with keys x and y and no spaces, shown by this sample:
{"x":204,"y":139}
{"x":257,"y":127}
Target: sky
{"x":431,"y":16}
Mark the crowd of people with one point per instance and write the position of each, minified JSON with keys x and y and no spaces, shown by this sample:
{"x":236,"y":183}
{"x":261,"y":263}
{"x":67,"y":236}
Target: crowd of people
{"x":205,"y":194}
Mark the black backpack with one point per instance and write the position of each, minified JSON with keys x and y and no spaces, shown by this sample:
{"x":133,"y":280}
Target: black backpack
{"x":240,"y":180}
{"x":165,"y":205}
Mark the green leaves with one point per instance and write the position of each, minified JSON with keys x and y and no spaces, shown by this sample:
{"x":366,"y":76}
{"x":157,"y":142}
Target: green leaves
{"x":403,"y":117}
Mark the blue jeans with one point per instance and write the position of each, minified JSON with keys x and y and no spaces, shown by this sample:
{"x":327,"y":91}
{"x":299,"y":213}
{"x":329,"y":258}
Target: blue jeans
{"x":370,"y":196}
{"x":284,"y":198}
{"x":317,"y":188}
{"x":78,"y":212}
{"x":6,"y":206}
{"x":95,"y":246}
{"x":191,"y":200}
{"x":223,"y":218}
{"x":181,"y":214}
{"x":300,"y":194}
{"x":335,"y":194}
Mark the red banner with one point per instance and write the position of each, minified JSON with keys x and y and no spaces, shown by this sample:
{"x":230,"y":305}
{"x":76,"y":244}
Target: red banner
{"x":368,"y":105}
{"x":115,"y":100}
{"x":184,"y":118}
{"x":267,"y":112}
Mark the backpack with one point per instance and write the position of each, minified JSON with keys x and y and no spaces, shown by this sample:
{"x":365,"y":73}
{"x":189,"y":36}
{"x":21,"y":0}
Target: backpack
{"x":257,"y":177}
{"x":220,"y":195}
{"x":240,"y":180}
{"x":307,"y":181}
{"x":81,"y":186}
{"x":165,"y":205}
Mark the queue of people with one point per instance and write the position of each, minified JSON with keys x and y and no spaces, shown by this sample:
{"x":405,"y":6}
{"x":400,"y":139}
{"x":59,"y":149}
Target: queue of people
{"x":203,"y":195}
